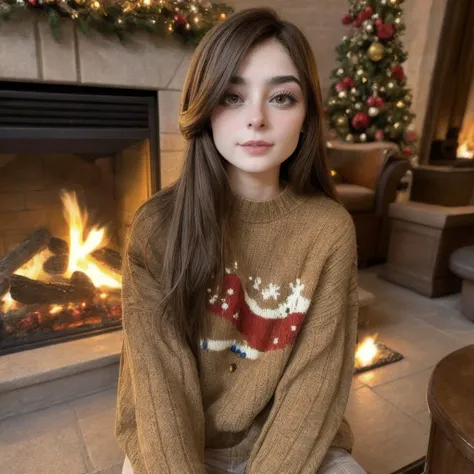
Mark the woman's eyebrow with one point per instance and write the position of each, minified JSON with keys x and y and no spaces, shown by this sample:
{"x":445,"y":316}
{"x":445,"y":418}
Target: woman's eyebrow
{"x":275,"y":80}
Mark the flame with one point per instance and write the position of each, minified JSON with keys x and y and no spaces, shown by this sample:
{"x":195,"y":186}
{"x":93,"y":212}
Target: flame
{"x":32,"y":269}
{"x":366,"y":351}
{"x":466,"y":139}
{"x":80,"y":249}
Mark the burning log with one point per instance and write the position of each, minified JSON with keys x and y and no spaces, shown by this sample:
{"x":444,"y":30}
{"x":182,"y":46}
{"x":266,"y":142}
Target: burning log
{"x":28,"y":291}
{"x":58,"y":246}
{"x":56,"y":265}
{"x":21,"y":254}
{"x":109,"y":258}
{"x":81,"y":280}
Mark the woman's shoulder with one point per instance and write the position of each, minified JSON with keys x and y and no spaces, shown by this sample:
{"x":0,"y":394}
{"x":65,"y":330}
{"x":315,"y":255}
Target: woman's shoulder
{"x":326,"y":212}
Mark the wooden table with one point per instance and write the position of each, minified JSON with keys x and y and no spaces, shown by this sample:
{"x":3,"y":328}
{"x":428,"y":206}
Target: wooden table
{"x":451,"y":403}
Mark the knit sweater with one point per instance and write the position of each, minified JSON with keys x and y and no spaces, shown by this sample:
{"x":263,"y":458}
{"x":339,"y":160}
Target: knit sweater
{"x":272,"y":376}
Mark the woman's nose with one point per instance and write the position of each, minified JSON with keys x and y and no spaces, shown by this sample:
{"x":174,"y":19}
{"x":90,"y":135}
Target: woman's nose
{"x":256,"y":118}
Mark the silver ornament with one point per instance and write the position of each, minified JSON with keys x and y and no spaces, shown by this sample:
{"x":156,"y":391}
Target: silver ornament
{"x":360,"y":72}
{"x":363,"y":137}
{"x":348,"y":111}
{"x":391,"y":85}
{"x":375,"y":16}
{"x":342,"y":95}
{"x":340,"y":72}
{"x":349,"y":137}
{"x":373,"y":111}
{"x":354,"y":91}
{"x":358,"y":106}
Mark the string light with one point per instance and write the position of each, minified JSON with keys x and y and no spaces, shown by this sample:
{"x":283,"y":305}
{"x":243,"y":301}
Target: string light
{"x":223,"y":16}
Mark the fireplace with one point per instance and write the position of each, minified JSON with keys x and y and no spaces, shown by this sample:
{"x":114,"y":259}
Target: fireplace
{"x":448,"y":133}
{"x":75,"y":164}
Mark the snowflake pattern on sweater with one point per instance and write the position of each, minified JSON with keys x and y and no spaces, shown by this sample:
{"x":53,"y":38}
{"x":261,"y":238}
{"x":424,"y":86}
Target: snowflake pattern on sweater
{"x":260,"y":329}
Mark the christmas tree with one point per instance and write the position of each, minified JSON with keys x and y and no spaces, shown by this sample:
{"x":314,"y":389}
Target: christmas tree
{"x":369,"y":99}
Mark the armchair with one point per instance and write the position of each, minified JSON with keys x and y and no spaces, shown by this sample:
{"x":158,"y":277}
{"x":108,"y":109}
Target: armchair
{"x":367,"y":178}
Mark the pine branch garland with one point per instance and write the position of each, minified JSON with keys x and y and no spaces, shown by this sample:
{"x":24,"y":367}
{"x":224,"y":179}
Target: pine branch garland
{"x":186,"y":20}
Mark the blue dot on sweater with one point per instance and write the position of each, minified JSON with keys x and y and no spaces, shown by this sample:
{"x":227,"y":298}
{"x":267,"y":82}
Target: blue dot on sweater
{"x":243,"y":355}
{"x":204,"y":345}
{"x":238,"y":351}
{"x":233,"y":347}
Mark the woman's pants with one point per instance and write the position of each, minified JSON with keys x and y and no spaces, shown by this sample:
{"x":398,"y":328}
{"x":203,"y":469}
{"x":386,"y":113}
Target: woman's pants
{"x":337,"y":461}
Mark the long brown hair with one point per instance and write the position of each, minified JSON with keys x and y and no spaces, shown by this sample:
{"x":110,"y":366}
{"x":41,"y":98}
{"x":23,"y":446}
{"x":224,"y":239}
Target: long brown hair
{"x":198,"y":204}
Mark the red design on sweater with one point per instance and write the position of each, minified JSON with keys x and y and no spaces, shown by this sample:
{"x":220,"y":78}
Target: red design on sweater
{"x":259,"y":332}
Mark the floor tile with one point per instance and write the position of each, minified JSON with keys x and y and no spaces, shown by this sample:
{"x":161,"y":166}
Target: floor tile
{"x":44,"y":442}
{"x":423,"y":419}
{"x":407,"y":393}
{"x":96,"y":416}
{"x":117,"y":469}
{"x":386,"y":439}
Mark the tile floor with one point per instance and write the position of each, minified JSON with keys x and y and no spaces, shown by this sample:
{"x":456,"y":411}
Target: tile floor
{"x":387,"y":407}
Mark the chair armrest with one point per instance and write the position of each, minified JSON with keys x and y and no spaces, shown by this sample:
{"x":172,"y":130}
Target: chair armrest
{"x":386,"y":190}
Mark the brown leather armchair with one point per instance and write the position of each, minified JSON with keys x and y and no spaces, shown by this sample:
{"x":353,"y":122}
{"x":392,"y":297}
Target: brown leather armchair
{"x":367,"y":178}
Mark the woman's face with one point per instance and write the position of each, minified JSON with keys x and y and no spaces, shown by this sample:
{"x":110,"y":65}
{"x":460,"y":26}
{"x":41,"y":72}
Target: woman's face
{"x":257,"y":125}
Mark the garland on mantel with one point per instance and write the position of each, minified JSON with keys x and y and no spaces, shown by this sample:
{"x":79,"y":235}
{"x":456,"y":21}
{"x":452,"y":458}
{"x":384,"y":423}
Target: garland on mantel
{"x":187,"y":20}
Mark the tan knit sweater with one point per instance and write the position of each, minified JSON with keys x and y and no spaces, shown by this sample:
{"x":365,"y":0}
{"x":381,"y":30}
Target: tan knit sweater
{"x":271,"y":380}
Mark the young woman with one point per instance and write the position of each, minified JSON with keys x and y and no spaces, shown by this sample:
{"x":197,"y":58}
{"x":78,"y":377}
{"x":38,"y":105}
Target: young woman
{"x":239,"y":287}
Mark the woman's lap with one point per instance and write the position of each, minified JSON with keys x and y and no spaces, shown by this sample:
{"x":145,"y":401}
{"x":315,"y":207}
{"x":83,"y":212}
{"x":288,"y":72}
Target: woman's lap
{"x":337,"y":461}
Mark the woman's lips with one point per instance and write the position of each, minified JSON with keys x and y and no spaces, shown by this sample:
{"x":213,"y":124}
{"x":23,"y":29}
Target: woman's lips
{"x":256,"y":148}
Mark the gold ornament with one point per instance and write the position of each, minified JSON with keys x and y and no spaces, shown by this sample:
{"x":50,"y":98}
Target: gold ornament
{"x":332,"y":101}
{"x":349,"y":137}
{"x":400,"y":104}
{"x":376,"y":51}
{"x":358,"y":106}
{"x":391,"y":85}
{"x":341,"y":121}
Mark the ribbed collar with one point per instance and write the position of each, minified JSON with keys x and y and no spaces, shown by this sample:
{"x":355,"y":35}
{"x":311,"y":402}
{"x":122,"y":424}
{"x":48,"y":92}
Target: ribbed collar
{"x":266,"y":211}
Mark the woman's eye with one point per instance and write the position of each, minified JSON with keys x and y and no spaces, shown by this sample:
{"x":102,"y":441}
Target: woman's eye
{"x":231,"y":99}
{"x":284,"y":99}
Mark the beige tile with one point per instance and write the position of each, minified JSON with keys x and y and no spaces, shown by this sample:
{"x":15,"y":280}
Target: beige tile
{"x":45,"y":442}
{"x":58,"y":56}
{"x":388,"y":373}
{"x":172,"y":142}
{"x":356,"y":384}
{"x":407,"y":393}
{"x":177,"y":82}
{"x":385,"y":438}
{"x":168,"y":104}
{"x":423,"y":419}
{"x":171,"y":166}
{"x":117,"y":469}
{"x":96,"y":416}
{"x":18,"y":50}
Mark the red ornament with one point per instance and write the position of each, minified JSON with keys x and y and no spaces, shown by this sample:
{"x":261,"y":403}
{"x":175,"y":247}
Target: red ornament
{"x":32,"y":2}
{"x":398,"y":73}
{"x":340,"y":87}
{"x":348,"y":82}
{"x":180,"y":19}
{"x":378,"y":22}
{"x":371,"y":101}
{"x":360,"y":121}
{"x":359,"y":20}
{"x":379,"y":136}
{"x":369,"y":11}
{"x":379,"y":102}
{"x":325,"y":110}
{"x":347,"y":19}
{"x":385,"y":31}
{"x":407,"y":151}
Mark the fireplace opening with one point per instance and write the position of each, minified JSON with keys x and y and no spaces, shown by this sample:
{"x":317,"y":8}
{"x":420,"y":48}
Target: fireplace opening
{"x":75,"y":165}
{"x":448,"y":133}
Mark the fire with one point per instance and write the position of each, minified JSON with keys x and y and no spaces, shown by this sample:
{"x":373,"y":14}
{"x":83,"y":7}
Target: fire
{"x":80,"y":248}
{"x":366,"y":351}
{"x":32,"y":269}
{"x":466,"y":148}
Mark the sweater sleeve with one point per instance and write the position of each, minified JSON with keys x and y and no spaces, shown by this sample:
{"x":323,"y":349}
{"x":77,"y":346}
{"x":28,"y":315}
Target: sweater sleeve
{"x":311,"y":397}
{"x":159,"y":417}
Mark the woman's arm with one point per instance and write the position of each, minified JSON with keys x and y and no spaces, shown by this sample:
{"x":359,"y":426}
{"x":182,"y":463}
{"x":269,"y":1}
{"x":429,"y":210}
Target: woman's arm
{"x":311,"y":398}
{"x":159,"y":419}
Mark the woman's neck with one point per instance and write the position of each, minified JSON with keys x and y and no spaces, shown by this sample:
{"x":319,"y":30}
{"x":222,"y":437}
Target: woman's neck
{"x":255,"y":186}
